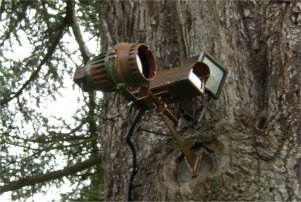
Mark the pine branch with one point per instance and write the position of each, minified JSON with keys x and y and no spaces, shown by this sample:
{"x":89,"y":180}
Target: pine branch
{"x":47,"y":56}
{"x":14,"y":22}
{"x":76,"y":31}
{"x":85,"y":55}
{"x":2,"y":8}
{"x":28,"y":181}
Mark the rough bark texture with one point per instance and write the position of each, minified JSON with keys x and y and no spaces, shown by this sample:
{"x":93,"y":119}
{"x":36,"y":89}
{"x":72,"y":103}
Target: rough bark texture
{"x":253,"y":129}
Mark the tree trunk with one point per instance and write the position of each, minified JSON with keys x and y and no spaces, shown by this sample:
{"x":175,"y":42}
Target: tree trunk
{"x":252,"y":131}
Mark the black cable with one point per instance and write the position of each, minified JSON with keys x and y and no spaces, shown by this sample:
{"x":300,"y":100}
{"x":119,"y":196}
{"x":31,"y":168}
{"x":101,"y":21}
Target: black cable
{"x":136,"y":120}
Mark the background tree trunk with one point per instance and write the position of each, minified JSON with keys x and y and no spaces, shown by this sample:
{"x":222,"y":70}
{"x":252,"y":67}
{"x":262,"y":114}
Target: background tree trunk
{"x":253,"y":129}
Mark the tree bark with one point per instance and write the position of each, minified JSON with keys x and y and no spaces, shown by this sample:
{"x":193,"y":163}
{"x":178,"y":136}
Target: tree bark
{"x":252,"y":130}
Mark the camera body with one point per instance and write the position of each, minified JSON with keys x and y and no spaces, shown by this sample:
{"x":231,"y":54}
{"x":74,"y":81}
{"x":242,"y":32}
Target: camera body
{"x":131,"y":70}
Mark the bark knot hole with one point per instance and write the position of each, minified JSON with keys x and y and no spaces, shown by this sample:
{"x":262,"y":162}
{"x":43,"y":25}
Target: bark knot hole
{"x":207,"y":164}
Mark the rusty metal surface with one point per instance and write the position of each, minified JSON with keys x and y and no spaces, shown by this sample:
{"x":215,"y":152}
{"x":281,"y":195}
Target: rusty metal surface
{"x":117,"y":66}
{"x":200,"y":58}
{"x":117,"y":70}
{"x":193,"y":160}
{"x":79,"y":78}
{"x":125,"y":64}
{"x":174,"y":85}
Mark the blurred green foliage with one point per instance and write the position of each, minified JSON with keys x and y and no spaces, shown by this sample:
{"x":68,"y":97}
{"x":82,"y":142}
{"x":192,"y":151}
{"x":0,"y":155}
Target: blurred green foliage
{"x":38,"y":55}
